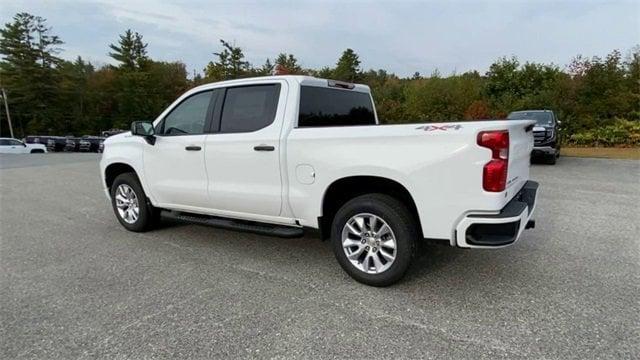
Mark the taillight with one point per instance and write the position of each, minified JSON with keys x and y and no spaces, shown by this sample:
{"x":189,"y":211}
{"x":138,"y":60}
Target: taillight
{"x":494,"y":174}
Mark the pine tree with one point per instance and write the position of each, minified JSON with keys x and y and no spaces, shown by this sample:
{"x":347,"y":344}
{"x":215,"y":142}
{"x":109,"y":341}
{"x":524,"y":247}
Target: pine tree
{"x":290,"y":63}
{"x":229,"y":65}
{"x":348,"y":67}
{"x":29,"y":72}
{"x":74,"y":95}
{"x":267,"y":68}
{"x":130,"y":51}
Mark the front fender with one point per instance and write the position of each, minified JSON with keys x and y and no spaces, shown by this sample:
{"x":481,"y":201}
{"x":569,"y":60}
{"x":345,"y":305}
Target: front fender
{"x":128,"y":151}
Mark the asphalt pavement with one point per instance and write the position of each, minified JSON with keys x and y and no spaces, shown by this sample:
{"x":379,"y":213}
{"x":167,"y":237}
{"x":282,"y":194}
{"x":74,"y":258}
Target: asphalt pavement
{"x":76,"y":284}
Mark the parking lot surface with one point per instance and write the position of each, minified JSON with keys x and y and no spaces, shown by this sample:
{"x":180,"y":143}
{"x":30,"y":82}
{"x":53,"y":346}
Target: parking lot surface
{"x":75,"y":284}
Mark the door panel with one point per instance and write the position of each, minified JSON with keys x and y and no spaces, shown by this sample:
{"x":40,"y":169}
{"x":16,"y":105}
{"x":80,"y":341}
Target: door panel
{"x":18,"y":147}
{"x":174,"y":174}
{"x":174,"y":166}
{"x":243,"y":159}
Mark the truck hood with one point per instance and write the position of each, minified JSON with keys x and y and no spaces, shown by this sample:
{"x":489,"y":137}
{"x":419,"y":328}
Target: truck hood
{"x":118,"y":137}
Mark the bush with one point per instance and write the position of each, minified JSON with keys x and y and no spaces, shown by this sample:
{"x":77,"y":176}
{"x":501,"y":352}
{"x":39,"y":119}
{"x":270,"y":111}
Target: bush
{"x":620,"y":132}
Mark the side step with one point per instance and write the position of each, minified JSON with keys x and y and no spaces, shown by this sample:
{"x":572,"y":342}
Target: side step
{"x":239,"y":225}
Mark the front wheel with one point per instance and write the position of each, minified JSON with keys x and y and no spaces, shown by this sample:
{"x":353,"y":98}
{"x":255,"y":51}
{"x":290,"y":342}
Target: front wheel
{"x":551,"y":159}
{"x":130,"y":204}
{"x":373,"y":238}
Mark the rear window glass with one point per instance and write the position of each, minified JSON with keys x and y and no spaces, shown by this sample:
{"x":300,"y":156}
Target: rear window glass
{"x":334,"y":107}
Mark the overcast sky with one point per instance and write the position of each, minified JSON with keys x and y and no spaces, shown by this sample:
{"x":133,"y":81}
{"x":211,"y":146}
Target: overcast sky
{"x":400,"y":36}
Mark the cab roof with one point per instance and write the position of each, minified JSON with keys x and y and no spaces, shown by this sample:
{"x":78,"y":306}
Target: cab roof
{"x":300,"y":79}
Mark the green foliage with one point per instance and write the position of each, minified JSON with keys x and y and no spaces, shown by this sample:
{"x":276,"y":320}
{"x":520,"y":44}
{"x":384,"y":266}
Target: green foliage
{"x":348,"y":67}
{"x":49,"y":95}
{"x":620,"y":132}
{"x":290,"y":63}
{"x":229,"y":65}
{"x":131,"y":51}
{"x":29,"y":71}
{"x":266,"y":69}
{"x":511,"y":86}
{"x":437,"y":99}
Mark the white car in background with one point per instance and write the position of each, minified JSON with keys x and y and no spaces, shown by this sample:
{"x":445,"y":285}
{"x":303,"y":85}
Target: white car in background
{"x":14,"y":146}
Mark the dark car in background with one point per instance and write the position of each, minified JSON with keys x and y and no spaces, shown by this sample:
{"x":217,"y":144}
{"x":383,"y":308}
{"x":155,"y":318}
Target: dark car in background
{"x":546,"y":144}
{"x":72,"y":144}
{"x":56,"y":143}
{"x":90,"y":143}
{"x":37,"y":139}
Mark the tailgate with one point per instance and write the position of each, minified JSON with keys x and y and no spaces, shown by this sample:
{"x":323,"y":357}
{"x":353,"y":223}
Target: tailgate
{"x":520,"y":147}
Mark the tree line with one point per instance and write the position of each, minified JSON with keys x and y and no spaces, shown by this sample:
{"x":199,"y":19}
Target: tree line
{"x":50,"y":95}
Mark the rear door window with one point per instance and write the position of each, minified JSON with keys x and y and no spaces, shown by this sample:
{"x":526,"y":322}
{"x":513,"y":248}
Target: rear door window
{"x":249,"y":108}
{"x":321,"y":106}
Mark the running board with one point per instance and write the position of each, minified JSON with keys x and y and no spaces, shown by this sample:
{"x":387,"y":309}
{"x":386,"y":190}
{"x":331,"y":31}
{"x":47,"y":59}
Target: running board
{"x":239,"y":225}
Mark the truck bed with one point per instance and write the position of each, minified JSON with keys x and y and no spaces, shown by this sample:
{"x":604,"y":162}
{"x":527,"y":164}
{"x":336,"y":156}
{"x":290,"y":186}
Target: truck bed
{"x":440,"y":164}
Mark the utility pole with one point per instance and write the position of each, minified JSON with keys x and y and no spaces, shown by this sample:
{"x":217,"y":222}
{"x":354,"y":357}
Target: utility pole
{"x":6,"y":107}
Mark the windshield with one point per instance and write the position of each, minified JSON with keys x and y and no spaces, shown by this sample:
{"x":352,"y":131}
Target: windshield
{"x":541,"y":118}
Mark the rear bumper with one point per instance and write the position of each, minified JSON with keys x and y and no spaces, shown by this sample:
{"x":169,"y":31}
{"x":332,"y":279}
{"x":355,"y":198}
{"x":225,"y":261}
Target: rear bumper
{"x":481,"y":230}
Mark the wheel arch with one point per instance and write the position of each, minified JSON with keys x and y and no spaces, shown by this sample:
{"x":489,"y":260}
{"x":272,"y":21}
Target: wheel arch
{"x":114,"y":169}
{"x":344,"y":189}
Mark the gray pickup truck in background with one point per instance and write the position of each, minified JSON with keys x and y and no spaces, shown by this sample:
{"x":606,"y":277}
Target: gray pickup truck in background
{"x":546,"y":144}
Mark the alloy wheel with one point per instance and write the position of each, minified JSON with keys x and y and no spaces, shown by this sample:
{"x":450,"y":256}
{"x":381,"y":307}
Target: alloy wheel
{"x":127,"y":204}
{"x":369,"y":243}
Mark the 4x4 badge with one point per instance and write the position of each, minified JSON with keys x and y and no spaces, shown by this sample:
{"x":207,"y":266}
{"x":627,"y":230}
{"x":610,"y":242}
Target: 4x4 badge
{"x":441,"y":127}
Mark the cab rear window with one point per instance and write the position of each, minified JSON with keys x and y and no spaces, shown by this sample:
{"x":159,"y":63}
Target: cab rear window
{"x":321,"y":106}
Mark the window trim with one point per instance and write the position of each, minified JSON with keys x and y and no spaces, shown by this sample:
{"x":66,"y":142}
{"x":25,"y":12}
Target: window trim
{"x":217,"y":116}
{"x":207,"y":121}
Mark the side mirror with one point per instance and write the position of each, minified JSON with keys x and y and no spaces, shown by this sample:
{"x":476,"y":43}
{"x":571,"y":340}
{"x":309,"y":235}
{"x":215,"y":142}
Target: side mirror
{"x":24,"y":144}
{"x":142,"y":128}
{"x":559,"y":122}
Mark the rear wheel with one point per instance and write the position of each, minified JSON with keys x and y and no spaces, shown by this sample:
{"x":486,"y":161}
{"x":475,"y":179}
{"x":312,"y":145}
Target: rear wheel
{"x":130,"y":204}
{"x":373,"y":238}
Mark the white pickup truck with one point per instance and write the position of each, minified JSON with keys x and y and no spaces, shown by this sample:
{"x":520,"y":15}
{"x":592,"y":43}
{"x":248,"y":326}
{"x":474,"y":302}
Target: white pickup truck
{"x":276,"y":155}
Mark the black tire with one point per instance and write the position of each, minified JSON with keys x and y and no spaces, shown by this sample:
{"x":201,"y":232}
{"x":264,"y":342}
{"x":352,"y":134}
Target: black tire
{"x":37,"y":151}
{"x":148,"y":216}
{"x":551,"y":159}
{"x":398,"y":218}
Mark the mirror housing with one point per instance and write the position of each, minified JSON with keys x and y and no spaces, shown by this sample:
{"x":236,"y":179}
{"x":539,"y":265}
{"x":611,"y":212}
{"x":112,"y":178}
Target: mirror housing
{"x":144,"y":129}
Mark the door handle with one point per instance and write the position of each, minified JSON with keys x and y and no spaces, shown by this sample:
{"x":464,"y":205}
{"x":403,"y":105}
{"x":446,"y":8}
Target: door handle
{"x":264,"y":148}
{"x":193,"y":148}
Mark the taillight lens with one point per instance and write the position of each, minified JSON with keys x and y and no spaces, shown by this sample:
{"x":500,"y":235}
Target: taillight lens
{"x":494,"y":174}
